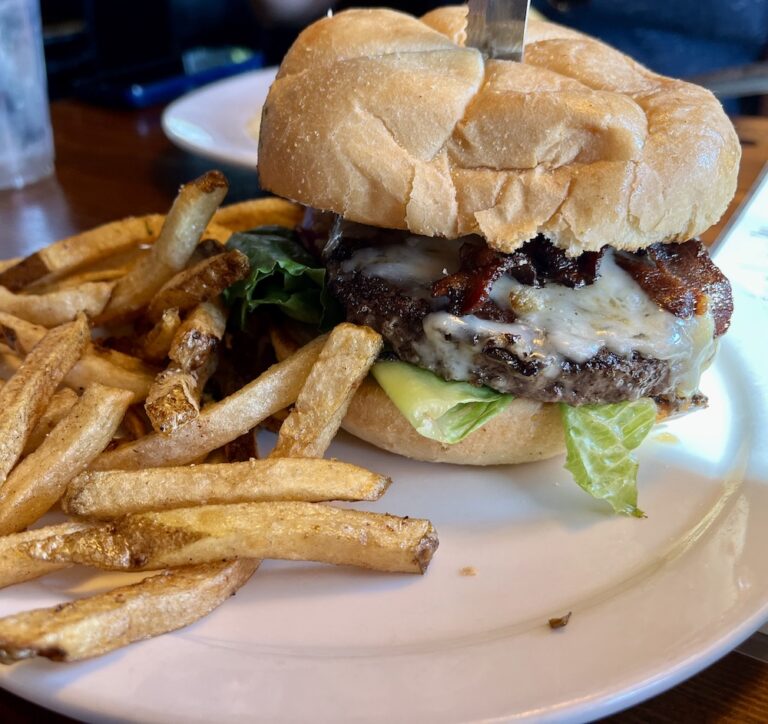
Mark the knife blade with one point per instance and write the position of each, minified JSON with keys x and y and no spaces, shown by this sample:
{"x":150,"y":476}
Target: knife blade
{"x":497,"y":27}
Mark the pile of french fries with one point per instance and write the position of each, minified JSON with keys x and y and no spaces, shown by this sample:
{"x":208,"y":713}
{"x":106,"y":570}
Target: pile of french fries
{"x":108,"y":340}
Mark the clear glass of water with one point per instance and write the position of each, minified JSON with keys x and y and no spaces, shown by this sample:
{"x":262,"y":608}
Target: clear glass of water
{"x":26,"y":142}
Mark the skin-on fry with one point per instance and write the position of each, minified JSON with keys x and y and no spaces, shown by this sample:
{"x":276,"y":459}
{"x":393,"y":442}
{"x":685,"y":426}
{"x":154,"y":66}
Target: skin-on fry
{"x":16,"y":566}
{"x":183,"y":228}
{"x":113,"y":493}
{"x":198,"y":336}
{"x":68,"y":254}
{"x":243,"y":448}
{"x":270,"y":211}
{"x":158,"y":340}
{"x":98,"y":624}
{"x":25,"y":396}
{"x":41,"y":478}
{"x":135,"y":423}
{"x":220,"y":422}
{"x":174,"y":398}
{"x":57,"y":307}
{"x":285,"y":530}
{"x":97,"y":364}
{"x":199,"y":283}
{"x":323,"y":401}
{"x":61,"y":403}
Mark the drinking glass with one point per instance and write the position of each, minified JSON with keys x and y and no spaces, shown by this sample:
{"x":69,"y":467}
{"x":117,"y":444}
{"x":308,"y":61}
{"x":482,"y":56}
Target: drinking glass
{"x":26,"y":142}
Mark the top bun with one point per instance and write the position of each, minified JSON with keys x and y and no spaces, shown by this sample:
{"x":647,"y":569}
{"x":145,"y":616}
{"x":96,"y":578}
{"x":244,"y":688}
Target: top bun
{"x":388,"y":120}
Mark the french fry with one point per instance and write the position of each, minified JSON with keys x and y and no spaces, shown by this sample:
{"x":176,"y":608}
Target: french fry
{"x":8,"y":263}
{"x":158,"y":340}
{"x":98,"y":624}
{"x":182,"y":230}
{"x":199,"y":283}
{"x":113,"y":493}
{"x":198,"y":336}
{"x":174,"y":397}
{"x":25,"y":396}
{"x":41,"y":478}
{"x":323,"y":401}
{"x":16,"y":566}
{"x":220,"y":422}
{"x":61,"y":403}
{"x":269,"y":211}
{"x":97,"y":364}
{"x":69,"y":254}
{"x":285,"y":530}
{"x":57,"y":307}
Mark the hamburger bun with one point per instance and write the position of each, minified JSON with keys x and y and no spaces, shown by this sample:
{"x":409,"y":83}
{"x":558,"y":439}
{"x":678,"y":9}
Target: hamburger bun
{"x":526,"y":431}
{"x":388,"y":120}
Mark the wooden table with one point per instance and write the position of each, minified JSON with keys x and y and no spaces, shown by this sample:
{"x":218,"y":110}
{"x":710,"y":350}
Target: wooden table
{"x":111,"y":164}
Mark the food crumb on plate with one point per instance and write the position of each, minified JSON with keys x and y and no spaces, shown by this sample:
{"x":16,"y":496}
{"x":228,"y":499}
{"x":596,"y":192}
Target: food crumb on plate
{"x":468,"y":571}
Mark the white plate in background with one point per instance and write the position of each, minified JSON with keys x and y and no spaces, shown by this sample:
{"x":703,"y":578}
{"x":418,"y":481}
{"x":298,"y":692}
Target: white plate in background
{"x":218,"y":121}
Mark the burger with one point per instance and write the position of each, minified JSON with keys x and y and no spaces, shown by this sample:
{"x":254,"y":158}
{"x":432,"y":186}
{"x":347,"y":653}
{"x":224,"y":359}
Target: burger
{"x":522,"y":235}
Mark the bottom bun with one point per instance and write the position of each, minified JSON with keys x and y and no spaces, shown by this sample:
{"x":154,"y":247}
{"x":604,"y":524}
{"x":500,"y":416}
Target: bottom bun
{"x":525,"y":432}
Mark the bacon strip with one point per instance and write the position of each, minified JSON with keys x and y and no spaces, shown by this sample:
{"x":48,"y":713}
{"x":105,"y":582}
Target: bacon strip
{"x":682,"y":279}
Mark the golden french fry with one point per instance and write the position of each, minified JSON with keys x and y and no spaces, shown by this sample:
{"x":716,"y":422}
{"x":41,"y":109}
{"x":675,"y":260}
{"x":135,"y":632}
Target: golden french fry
{"x":198,"y":336}
{"x":61,"y":403}
{"x":98,"y":624}
{"x":158,"y":340}
{"x":323,"y":401}
{"x":8,"y":263}
{"x":269,"y":211}
{"x":97,"y":364}
{"x":25,"y":396}
{"x":220,"y":422}
{"x":41,"y":478}
{"x":199,"y":283}
{"x":285,"y":530}
{"x":68,"y":254}
{"x":57,"y":307}
{"x":174,"y":398}
{"x":16,"y":566}
{"x":182,"y":230}
{"x":113,"y":493}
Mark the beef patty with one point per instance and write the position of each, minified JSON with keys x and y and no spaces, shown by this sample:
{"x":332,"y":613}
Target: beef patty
{"x":397,"y":309}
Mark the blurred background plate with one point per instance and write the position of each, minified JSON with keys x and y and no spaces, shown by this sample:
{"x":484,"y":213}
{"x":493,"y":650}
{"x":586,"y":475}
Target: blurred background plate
{"x":219,"y":121}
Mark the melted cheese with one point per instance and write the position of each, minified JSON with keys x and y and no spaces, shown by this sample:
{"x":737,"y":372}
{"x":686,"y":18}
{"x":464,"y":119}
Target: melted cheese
{"x":554,"y":323}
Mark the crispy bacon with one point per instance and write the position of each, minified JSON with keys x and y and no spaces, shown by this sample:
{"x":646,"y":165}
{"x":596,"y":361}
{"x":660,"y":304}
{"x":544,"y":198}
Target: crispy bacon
{"x":682,"y":279}
{"x":535,"y":264}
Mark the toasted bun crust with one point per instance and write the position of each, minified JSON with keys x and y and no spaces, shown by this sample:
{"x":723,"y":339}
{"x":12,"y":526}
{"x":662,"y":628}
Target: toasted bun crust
{"x":525,"y":432}
{"x":390,"y":121}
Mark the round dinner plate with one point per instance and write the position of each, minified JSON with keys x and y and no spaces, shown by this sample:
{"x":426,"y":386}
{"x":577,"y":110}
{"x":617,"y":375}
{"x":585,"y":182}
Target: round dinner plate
{"x":652,"y":600}
{"x":219,"y":121}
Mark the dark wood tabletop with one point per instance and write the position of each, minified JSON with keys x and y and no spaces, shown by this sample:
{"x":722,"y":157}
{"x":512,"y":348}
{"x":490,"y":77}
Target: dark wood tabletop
{"x":111,"y":164}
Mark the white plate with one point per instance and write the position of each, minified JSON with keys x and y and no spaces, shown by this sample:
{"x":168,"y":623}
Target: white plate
{"x":653,"y":600}
{"x":213,"y":121}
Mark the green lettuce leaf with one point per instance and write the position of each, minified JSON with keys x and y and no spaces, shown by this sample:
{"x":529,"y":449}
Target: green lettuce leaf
{"x":283,"y":275}
{"x":438,"y":409}
{"x":599,"y":440}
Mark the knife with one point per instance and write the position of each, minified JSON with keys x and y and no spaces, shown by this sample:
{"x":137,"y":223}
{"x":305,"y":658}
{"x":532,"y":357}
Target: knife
{"x":497,"y":27}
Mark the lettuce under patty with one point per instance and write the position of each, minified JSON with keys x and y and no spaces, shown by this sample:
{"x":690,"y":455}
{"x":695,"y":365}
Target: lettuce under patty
{"x":438,"y":409}
{"x":599,"y":440}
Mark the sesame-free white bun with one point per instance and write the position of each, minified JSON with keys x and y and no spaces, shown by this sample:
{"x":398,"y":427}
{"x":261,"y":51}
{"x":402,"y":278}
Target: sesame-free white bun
{"x":525,"y":432}
{"x":390,"y":121}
